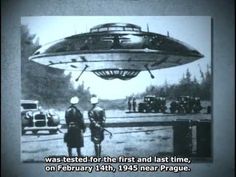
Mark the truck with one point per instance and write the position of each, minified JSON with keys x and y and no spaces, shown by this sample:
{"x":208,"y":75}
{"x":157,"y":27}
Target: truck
{"x":152,"y":103}
{"x":34,"y":119}
{"x":186,"y":104}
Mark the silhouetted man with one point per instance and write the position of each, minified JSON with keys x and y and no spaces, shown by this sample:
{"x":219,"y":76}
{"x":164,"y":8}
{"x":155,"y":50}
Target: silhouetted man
{"x":76,"y":127}
{"x":129,"y":104}
{"x":134,"y":104}
{"x":97,"y":120}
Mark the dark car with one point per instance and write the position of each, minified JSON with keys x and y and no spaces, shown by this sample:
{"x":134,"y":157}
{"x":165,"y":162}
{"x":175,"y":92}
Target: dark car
{"x":35,"y":119}
{"x":186,"y":104}
{"x":152,"y":104}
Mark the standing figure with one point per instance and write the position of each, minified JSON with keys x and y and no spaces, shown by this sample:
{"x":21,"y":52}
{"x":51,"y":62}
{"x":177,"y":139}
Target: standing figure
{"x":97,"y":120}
{"x":129,"y":104}
{"x":134,"y":104}
{"x":76,"y":127}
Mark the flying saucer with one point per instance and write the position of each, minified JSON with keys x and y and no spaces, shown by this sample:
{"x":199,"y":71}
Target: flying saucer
{"x":116,"y":50}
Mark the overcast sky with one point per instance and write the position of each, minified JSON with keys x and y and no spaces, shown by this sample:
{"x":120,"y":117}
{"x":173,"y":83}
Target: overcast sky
{"x":193,"y":30}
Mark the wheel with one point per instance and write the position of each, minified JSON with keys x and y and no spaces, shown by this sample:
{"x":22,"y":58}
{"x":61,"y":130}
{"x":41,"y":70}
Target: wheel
{"x":188,"y":110}
{"x":196,"y":110}
{"x":145,"y":46}
{"x":172,"y":110}
{"x":163,"y":110}
{"x":157,"y":110}
{"x":181,"y":110}
{"x":140,"y":109}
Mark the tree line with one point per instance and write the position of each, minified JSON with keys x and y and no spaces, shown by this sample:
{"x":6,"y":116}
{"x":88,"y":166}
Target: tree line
{"x":187,"y":86}
{"x":48,"y":85}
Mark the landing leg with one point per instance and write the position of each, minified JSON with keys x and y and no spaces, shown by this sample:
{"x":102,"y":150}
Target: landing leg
{"x":86,"y":66}
{"x":146,"y":66}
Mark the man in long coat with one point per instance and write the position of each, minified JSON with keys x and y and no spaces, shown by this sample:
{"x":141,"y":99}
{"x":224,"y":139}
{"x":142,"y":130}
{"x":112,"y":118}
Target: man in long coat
{"x":97,"y":120}
{"x":76,"y":127}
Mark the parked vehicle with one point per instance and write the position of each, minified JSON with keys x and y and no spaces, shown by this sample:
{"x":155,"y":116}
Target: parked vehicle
{"x":186,"y":104}
{"x":152,"y":104}
{"x":35,"y":119}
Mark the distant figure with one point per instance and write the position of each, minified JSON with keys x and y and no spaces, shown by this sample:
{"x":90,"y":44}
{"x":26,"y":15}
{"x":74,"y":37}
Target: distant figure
{"x":129,"y":104}
{"x":76,"y":127}
{"x":134,"y":104}
{"x":97,"y":120}
{"x":208,"y":109}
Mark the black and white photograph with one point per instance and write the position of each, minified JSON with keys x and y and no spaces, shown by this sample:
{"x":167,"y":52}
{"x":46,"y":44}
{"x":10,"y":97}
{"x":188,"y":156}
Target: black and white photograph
{"x":134,"y":86}
{"x":118,"y":88}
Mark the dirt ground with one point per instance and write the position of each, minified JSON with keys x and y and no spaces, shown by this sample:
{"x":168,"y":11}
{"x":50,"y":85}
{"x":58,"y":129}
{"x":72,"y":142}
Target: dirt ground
{"x":130,"y":140}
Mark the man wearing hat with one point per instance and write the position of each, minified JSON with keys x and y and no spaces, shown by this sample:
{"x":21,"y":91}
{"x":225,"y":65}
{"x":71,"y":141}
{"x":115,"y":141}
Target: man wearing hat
{"x":76,"y":127}
{"x":97,"y":120}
